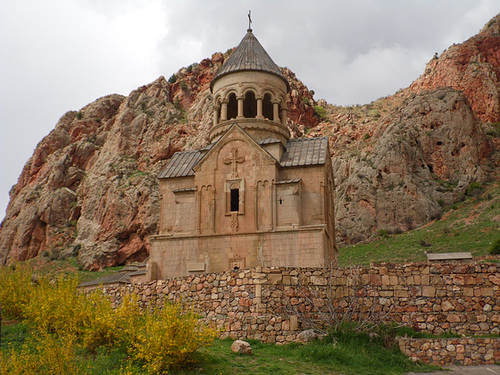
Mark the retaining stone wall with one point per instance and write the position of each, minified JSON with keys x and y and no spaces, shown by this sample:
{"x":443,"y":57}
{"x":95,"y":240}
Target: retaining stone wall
{"x":275,"y":304}
{"x":467,"y":351}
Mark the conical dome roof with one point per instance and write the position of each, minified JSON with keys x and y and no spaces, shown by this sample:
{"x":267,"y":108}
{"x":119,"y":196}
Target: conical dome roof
{"x":249,"y":55}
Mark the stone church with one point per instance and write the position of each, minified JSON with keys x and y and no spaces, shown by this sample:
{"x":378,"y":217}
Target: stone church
{"x":253,"y":196}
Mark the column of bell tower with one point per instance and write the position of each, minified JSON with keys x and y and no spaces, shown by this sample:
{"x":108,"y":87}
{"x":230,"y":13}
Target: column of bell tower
{"x":250,"y":71}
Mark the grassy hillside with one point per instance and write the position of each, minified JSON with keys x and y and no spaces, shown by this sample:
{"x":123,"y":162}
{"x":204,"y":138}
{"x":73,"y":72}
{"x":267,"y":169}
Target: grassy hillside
{"x":472,"y":225}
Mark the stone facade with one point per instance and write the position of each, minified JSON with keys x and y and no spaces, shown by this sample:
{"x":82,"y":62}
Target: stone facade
{"x":274,"y":304}
{"x":252,"y":197}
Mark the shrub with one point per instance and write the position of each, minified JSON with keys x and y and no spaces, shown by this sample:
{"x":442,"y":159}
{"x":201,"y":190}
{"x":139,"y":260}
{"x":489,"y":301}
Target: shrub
{"x":67,"y":322}
{"x":101,"y":326}
{"x":56,"y":307}
{"x":474,"y":189}
{"x":16,"y":289}
{"x":43,"y":354}
{"x":383,"y":233}
{"x":172,"y":79}
{"x":436,"y":215}
{"x":167,"y":338}
{"x":320,"y":112}
{"x":494,"y":131}
{"x":424,"y":243}
{"x":55,"y":253}
{"x":495,"y":247}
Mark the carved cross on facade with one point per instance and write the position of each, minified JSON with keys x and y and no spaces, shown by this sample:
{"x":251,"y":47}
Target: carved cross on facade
{"x":233,"y":159}
{"x":234,"y":221}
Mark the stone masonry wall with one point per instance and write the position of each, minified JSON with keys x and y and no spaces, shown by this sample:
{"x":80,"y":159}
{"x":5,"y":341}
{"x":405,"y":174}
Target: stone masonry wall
{"x":467,"y":351}
{"x":275,"y":304}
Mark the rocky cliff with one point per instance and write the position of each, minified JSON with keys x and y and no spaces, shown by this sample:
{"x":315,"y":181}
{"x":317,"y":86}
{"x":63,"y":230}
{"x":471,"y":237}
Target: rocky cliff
{"x":90,"y":188}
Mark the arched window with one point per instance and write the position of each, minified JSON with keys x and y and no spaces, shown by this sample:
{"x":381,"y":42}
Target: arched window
{"x":267,"y":107}
{"x":250,"y":105}
{"x":232,"y":107}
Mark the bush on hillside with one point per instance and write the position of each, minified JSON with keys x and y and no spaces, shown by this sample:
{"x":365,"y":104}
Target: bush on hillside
{"x":474,"y":189}
{"x":320,"y":112}
{"x":495,"y":247}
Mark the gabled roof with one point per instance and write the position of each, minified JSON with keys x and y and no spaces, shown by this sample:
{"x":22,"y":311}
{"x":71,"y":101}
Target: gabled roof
{"x":234,"y":128}
{"x":299,"y":152}
{"x":249,"y":55}
{"x":181,"y":164}
{"x":302,"y":152}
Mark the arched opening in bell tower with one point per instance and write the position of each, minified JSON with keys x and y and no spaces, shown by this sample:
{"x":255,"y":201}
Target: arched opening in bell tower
{"x":232,"y":107}
{"x":250,"y":105}
{"x":267,"y":107}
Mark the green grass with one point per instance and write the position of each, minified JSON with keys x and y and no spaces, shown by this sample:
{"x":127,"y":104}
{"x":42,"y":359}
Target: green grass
{"x":13,"y":335}
{"x":348,"y":354}
{"x":69,"y":267}
{"x":472,"y":225}
{"x":343,"y":352}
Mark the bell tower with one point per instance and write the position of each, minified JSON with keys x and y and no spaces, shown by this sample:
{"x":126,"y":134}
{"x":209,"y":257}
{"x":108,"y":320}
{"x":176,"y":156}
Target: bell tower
{"x":250,"y":89}
{"x":253,"y":197}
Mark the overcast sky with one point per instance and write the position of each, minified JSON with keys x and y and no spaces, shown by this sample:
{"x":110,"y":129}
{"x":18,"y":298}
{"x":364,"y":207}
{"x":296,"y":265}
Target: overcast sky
{"x":59,"y":55}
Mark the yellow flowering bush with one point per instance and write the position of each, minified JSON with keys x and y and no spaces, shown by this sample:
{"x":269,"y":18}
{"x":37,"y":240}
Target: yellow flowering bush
{"x":168,"y":336}
{"x":107,"y":326}
{"x":44,"y":354}
{"x":16,"y":289}
{"x":56,"y":307}
{"x":66,"y":323}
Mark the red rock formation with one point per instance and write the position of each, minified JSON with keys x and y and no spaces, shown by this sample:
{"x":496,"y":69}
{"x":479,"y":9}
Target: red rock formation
{"x":90,"y":187}
{"x":472,"y":67}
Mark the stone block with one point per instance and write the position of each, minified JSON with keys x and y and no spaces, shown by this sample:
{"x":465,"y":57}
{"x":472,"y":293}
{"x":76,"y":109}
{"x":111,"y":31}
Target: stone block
{"x":487,"y":292}
{"x":428,"y":291}
{"x":319,"y":280}
{"x":447,"y":306}
{"x":385,"y":280}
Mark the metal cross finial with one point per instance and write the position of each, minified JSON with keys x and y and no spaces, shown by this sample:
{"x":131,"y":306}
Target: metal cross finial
{"x":249,"y":20}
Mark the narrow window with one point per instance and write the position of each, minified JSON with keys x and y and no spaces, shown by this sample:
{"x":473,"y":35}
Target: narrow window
{"x":267,"y":107}
{"x":232,"y":107}
{"x":235,"y":200}
{"x":250,"y":105}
